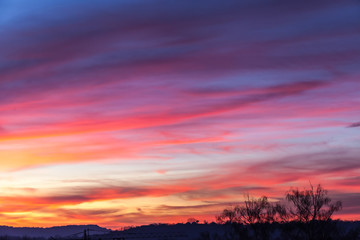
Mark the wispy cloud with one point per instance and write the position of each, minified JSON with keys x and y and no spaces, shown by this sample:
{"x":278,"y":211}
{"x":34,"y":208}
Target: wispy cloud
{"x":354,"y":125}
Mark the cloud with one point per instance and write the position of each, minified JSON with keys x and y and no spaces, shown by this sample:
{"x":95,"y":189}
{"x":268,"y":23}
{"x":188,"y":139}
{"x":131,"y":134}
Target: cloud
{"x":82,"y":195}
{"x":354,"y":125}
{"x":350,"y":202}
{"x":331,"y":161}
{"x":106,"y":43}
{"x":203,"y":109}
{"x":215,"y":194}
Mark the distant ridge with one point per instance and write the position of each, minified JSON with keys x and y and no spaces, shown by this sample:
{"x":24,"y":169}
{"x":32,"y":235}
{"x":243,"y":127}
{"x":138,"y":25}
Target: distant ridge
{"x":60,"y":231}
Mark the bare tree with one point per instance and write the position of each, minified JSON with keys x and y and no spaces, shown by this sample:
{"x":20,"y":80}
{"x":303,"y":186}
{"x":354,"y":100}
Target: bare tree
{"x":312,"y":209}
{"x":228,"y":215}
{"x":255,"y":214}
{"x":253,"y":211}
{"x":311,"y":204}
{"x":308,"y":217}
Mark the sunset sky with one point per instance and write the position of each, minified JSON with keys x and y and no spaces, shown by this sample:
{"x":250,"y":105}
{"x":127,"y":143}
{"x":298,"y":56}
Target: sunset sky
{"x":133,"y":112}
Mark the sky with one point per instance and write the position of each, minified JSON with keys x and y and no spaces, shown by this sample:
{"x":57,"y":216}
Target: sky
{"x":133,"y":112}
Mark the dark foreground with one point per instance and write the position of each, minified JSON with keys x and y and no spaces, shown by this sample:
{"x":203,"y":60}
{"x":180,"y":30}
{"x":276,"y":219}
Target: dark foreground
{"x":331,"y":230}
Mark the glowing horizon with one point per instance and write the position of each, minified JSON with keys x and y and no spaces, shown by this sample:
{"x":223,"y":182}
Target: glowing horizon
{"x":135,"y":112}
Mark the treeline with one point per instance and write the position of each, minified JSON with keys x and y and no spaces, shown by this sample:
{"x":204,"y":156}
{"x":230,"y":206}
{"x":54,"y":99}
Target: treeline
{"x":6,"y":237}
{"x":303,"y":215}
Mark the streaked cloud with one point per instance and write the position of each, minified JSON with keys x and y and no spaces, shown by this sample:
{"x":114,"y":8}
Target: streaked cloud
{"x":353,"y":125}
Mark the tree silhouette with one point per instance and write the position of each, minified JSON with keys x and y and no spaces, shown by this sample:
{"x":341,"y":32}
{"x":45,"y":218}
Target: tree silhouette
{"x":192,"y":220}
{"x":307,"y":217}
{"x":227,"y":216}
{"x":257,"y":214}
{"x":311,"y":204}
{"x":255,"y":210}
{"x":312,"y":209}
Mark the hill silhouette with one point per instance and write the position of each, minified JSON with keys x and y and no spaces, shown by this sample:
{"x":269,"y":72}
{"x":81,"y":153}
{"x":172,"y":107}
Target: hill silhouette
{"x":57,"y":231}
